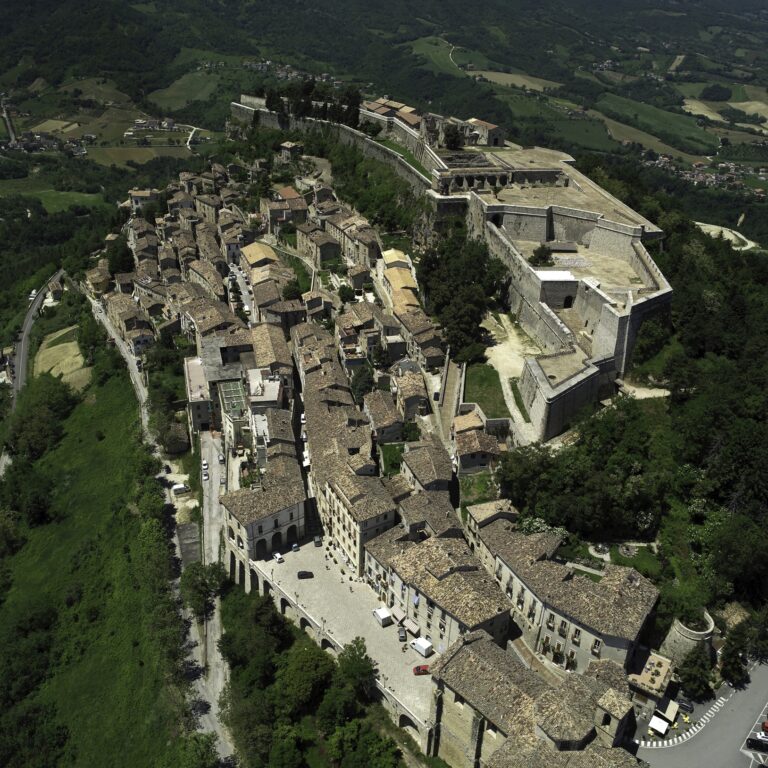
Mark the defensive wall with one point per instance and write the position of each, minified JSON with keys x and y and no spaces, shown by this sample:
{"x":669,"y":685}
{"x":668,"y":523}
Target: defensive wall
{"x":244,"y":113}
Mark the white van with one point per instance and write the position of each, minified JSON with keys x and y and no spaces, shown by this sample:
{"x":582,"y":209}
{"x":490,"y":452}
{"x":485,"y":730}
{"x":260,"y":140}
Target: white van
{"x":422,"y":646}
{"x":179,"y":489}
{"x":383,"y":616}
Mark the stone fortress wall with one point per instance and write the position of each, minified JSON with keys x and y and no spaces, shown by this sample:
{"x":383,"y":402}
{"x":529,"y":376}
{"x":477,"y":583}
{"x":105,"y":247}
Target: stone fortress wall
{"x":573,"y":371}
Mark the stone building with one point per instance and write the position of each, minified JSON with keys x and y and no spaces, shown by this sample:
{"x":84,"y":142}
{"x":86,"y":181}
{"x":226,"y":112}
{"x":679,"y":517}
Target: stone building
{"x":570,"y":616}
{"x":491,"y":711}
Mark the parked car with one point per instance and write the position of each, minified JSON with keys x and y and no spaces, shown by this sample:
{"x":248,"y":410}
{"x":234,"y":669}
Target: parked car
{"x":303,"y":418}
{"x":760,"y":735}
{"x":222,"y":480}
{"x":305,"y":575}
{"x":402,"y":635}
{"x":294,"y":547}
{"x":204,"y":464}
{"x":685,"y":705}
{"x":318,"y":541}
{"x":221,"y":458}
{"x":758,"y":745}
{"x":206,"y":477}
{"x":278,"y":557}
{"x":421,"y":669}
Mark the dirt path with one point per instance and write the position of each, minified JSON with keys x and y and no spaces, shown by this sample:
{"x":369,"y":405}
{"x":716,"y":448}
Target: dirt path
{"x":736,"y":239}
{"x":507,"y":356}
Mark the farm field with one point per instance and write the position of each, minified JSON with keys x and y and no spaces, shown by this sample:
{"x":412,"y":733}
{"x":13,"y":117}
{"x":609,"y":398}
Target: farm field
{"x":679,"y":130}
{"x":122,"y":155}
{"x":696,"y":107}
{"x":59,"y":355}
{"x":194,"y":86}
{"x":437,"y":52}
{"x":622,"y":132}
{"x":517,"y":80}
{"x":52,"y":199}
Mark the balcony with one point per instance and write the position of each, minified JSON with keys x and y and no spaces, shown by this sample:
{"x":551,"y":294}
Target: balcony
{"x":563,"y":629}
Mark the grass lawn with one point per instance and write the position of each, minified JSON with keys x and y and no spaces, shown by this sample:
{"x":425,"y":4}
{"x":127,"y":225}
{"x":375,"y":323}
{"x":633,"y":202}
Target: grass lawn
{"x":391,"y":458}
{"x":645,"y":561}
{"x":406,"y":154}
{"x":477,"y":488}
{"x":52,"y":199}
{"x":194,"y":86}
{"x":484,"y":388}
{"x":106,"y":682}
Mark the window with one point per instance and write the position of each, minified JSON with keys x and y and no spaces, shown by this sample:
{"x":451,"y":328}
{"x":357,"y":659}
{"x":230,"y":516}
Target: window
{"x":576,"y":636}
{"x":551,"y":621}
{"x":458,"y":700}
{"x":291,"y":515}
{"x":491,"y":729}
{"x":563,"y":629}
{"x":596,"y":647}
{"x":260,"y":529}
{"x":277,"y":523}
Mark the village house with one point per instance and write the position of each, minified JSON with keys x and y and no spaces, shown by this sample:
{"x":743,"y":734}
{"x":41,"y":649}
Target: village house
{"x":411,"y":395}
{"x":208,"y":207}
{"x":317,"y":245}
{"x":386,"y":422}
{"x":426,"y":466}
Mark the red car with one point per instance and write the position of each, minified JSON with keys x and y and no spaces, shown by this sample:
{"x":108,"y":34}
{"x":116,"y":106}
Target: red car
{"x":421,"y":669}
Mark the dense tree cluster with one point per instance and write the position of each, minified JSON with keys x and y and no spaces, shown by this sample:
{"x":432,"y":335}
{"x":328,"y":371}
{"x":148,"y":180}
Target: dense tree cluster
{"x":460,"y":280}
{"x":279,"y":678}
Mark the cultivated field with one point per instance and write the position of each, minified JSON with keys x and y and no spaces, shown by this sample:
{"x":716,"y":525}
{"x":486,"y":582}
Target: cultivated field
{"x":60,"y":356}
{"x":516,"y":80}
{"x":696,"y":107}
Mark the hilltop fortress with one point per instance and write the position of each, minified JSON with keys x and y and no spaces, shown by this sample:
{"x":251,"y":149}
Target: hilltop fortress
{"x":584,"y":309}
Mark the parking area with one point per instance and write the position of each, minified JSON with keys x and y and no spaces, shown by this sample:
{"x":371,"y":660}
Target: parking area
{"x":343,"y":606}
{"x":756,"y":732}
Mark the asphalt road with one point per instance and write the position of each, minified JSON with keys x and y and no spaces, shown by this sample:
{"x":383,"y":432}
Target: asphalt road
{"x":718,"y":744}
{"x":22,"y":347}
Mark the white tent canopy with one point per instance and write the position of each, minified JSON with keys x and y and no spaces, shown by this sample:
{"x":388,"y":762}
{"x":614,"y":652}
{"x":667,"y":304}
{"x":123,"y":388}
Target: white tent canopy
{"x":658,"y":725}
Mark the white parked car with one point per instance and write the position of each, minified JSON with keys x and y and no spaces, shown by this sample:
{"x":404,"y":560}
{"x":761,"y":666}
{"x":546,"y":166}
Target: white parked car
{"x":205,"y":465}
{"x":278,"y":557}
{"x":206,"y":476}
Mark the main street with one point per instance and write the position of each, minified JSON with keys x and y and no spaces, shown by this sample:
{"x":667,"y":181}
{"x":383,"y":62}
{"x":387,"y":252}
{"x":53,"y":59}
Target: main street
{"x":718,"y":743}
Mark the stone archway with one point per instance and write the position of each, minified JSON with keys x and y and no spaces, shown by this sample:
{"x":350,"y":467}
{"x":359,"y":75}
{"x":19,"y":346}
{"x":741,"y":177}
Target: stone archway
{"x":267,"y":588}
{"x":232,"y":566}
{"x":254,"y":581}
{"x":407,"y":724}
{"x":284,"y":606}
{"x":305,"y":625}
{"x":261,"y":549}
{"x":292,"y":536}
{"x":241,"y":574}
{"x":497,"y":219}
{"x":277,"y":541}
{"x":567,"y":302}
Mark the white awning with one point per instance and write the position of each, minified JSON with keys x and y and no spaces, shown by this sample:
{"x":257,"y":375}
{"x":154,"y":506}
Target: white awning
{"x":658,"y":725}
{"x":668,"y":709}
{"x":397,"y":614}
{"x":412,"y":627}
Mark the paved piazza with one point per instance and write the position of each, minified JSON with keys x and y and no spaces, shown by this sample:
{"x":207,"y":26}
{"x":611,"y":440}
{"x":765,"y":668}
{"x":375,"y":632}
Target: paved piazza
{"x":345,"y":608}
